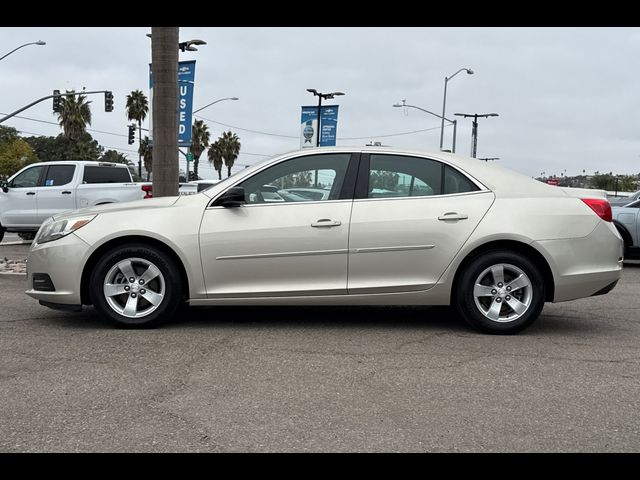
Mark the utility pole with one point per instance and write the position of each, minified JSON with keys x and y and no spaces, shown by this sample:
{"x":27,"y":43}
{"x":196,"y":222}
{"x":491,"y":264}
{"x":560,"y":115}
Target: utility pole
{"x":164,"y":64}
{"x":474,"y":129}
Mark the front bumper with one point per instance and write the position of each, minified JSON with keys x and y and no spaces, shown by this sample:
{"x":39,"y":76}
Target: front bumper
{"x":585,"y":266}
{"x":63,"y":261}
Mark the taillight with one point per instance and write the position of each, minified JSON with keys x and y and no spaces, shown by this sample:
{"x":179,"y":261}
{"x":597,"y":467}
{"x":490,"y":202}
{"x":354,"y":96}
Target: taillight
{"x":148,"y":191}
{"x":601,"y":207}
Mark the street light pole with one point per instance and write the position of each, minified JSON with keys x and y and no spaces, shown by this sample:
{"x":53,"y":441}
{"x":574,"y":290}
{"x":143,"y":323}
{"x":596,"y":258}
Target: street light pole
{"x":474,"y":130}
{"x":444,"y":100}
{"x":39,"y":42}
{"x":219,"y":100}
{"x":453,"y":122}
{"x":320,"y":96}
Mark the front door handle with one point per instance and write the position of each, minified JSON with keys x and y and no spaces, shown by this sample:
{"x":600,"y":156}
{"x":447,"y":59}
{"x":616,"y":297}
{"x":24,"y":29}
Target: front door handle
{"x":66,"y":192}
{"x":326,"y":222}
{"x":453,"y":216}
{"x":31,"y":193}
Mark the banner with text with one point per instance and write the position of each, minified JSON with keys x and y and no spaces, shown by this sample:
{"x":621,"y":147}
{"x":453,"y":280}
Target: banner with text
{"x":309,"y":127}
{"x":186,"y":82}
{"x":328,"y":125}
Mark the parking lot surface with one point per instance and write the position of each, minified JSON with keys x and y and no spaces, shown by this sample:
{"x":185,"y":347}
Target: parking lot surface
{"x":408,"y":379}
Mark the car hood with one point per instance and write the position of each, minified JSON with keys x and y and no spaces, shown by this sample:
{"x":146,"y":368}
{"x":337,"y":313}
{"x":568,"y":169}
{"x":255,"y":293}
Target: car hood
{"x":149,"y":203}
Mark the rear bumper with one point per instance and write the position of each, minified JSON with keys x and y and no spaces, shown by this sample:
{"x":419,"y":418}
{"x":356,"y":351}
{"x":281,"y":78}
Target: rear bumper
{"x":584,"y":266}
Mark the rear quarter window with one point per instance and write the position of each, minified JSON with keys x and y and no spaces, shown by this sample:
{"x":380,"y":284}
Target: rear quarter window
{"x":98,"y":174}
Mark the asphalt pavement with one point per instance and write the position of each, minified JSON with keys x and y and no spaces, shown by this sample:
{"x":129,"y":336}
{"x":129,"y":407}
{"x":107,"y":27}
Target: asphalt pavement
{"x":356,"y":379}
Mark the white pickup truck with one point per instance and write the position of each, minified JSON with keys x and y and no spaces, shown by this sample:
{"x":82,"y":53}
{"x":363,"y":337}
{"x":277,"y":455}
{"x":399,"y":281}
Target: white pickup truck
{"x":42,"y":190}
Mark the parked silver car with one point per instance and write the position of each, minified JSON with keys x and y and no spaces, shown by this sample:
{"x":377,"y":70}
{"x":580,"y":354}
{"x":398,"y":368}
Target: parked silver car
{"x":627,"y":221}
{"x":622,"y":201}
{"x":398,"y":227}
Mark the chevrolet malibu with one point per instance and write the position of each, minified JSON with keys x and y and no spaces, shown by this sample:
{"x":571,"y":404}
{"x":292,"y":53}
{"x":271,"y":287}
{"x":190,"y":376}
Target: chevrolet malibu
{"x":397,"y":227}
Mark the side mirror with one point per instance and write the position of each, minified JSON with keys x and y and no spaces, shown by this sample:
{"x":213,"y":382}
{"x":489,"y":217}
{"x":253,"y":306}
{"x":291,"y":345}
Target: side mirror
{"x":234,"y":197}
{"x":4,"y":186}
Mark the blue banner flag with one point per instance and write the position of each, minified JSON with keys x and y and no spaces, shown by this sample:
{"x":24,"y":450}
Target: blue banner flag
{"x":309,"y":127}
{"x":186,"y":82}
{"x":328,"y":125}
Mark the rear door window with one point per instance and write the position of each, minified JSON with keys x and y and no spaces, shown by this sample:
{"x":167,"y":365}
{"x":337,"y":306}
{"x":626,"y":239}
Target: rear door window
{"x":98,"y":174}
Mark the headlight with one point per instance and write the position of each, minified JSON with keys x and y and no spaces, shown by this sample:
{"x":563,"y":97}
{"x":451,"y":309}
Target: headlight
{"x":54,"y":229}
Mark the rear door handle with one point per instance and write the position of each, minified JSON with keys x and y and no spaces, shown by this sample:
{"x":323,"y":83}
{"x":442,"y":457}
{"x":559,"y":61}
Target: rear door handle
{"x":326,"y":222}
{"x":31,"y":193}
{"x":66,"y":192}
{"x":453,"y":216}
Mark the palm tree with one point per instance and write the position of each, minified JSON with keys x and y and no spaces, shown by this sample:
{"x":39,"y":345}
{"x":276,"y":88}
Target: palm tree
{"x":199,"y":142}
{"x":74,"y":115}
{"x":230,"y":148}
{"x":146,"y":152}
{"x":215,"y":157}
{"x":164,"y":62}
{"x":137,"y":108}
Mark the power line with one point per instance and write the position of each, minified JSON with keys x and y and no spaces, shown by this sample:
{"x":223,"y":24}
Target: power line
{"x":57,"y":124}
{"x":247,"y":129}
{"x":391,"y":134}
{"x":339,"y":138}
{"x":106,"y":147}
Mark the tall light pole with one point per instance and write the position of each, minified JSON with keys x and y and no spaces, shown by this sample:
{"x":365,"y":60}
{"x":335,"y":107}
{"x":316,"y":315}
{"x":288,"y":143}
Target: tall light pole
{"x":212,"y":103}
{"x":39,"y":42}
{"x":453,"y":122}
{"x":164,"y":62}
{"x":444,"y":100}
{"x":474,"y":130}
{"x":320,"y":96}
{"x":187,"y":45}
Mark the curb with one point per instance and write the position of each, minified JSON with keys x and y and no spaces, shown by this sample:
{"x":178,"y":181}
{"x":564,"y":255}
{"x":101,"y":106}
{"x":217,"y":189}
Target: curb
{"x":13,"y":273}
{"x":21,"y":242}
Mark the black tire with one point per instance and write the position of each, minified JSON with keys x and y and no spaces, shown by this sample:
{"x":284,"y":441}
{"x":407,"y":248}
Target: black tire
{"x":170,"y":278}
{"x":534,"y":294}
{"x":626,"y":238}
{"x":1,"y":232}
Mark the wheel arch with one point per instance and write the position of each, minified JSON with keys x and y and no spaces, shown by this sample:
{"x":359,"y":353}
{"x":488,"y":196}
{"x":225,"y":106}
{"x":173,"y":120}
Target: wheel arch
{"x":93,"y":259}
{"x":624,"y":233}
{"x":514,"y":246}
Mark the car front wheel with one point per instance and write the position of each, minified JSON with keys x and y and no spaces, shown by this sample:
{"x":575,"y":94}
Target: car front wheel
{"x":136,"y":286}
{"x":500,"y":292}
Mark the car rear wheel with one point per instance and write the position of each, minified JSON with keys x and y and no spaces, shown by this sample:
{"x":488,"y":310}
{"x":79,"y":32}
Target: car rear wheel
{"x":1,"y":232}
{"x":136,"y":286}
{"x":500,"y":292}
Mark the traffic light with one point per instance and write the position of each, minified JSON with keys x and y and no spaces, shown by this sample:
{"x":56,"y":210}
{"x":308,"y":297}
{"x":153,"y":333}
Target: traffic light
{"x":132,"y":134}
{"x":56,"y":101}
{"x":108,"y":101}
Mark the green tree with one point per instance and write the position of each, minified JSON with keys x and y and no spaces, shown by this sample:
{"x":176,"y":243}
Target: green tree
{"x":114,"y":157}
{"x":215,"y":157}
{"x":63,"y":148}
{"x":602,"y":181}
{"x":384,"y":180}
{"x":137,"y":108}
{"x":8,"y":134}
{"x":74,"y":115}
{"x":14,"y":155}
{"x":199,"y":142}
{"x":300,"y":179}
{"x":146,"y":152}
{"x":229,"y":149}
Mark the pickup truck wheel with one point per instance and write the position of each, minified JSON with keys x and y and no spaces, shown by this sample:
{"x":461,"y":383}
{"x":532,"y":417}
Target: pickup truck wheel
{"x":136,"y":286}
